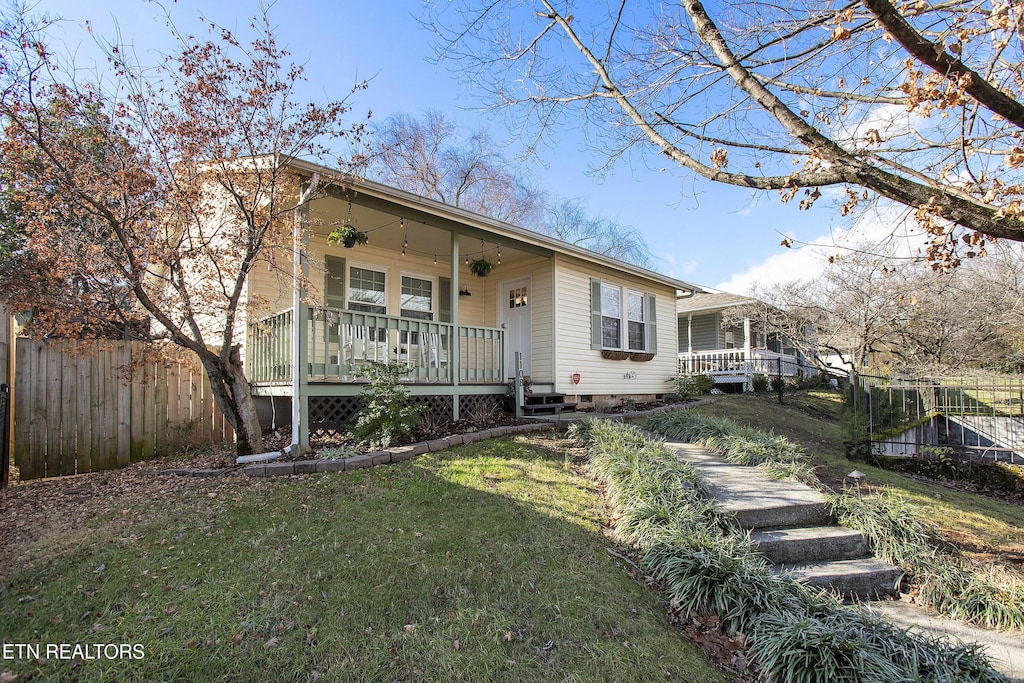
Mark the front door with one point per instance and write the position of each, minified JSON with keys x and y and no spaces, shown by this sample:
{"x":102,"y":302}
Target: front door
{"x":515,"y":317}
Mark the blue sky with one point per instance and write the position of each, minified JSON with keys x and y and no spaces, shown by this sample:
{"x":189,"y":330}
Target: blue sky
{"x":700,"y":232}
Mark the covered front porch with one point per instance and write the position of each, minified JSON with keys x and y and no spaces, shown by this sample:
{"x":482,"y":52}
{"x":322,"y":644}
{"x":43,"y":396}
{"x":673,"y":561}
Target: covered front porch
{"x":408,"y":291}
{"x":735,"y":366}
{"x":733,"y":343}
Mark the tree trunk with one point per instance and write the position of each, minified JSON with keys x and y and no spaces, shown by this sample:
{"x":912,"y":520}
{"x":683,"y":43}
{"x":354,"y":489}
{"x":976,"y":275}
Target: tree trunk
{"x":230,"y":389}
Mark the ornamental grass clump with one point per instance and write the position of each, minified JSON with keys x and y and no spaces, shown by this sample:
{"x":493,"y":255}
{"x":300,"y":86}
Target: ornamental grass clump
{"x":843,"y":645}
{"x":943,"y":579}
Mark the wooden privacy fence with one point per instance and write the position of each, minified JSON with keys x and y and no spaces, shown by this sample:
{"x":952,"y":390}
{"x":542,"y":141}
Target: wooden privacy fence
{"x":102,"y":405}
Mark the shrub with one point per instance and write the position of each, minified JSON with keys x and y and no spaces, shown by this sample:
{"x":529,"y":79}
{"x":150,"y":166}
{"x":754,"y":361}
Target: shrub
{"x":759,"y":383}
{"x":856,"y":436}
{"x":386,"y":414}
{"x":337,"y":452}
{"x":694,"y":385}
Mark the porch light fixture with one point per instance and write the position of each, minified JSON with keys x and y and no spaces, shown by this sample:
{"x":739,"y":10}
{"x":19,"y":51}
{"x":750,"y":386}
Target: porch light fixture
{"x":465,"y":292}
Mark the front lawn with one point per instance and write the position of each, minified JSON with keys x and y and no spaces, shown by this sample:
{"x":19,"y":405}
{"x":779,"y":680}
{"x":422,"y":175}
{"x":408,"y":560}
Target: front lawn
{"x":483,"y":563}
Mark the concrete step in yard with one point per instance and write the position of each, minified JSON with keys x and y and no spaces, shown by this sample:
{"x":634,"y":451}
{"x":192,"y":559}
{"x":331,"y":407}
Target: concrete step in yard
{"x":809,"y":544}
{"x":865,"y":578}
{"x":775,"y":515}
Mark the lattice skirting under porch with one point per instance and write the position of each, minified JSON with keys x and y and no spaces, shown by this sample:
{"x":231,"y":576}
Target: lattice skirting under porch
{"x":479,"y":406}
{"x":331,"y":416}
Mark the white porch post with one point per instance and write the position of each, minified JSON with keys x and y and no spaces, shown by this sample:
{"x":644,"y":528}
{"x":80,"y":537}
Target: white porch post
{"x":300,"y":319}
{"x":689,"y":343}
{"x":454,"y":353}
{"x":749,"y":378}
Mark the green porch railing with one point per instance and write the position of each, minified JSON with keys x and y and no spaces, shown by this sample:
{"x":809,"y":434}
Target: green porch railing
{"x":269,"y":349}
{"x":340,"y":342}
{"x":481,"y":355}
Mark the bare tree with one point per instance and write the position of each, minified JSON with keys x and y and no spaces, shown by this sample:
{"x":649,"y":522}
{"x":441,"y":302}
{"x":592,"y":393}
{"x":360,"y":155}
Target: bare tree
{"x":155,"y":191}
{"x":568,"y":220}
{"x":430,"y":158}
{"x":919,"y":104}
{"x":869,"y":311}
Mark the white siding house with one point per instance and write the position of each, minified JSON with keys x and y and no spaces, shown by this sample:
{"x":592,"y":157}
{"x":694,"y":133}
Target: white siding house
{"x":408,"y":295}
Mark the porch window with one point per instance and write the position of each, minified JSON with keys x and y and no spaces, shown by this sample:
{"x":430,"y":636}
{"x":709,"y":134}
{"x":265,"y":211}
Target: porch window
{"x":636,"y":321}
{"x":366,"y":291}
{"x":611,"y":317}
{"x":417,"y":298}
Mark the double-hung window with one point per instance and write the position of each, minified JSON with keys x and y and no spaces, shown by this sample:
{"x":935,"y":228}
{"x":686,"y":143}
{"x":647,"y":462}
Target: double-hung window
{"x":366,"y":291}
{"x":417,"y":301}
{"x":622,"y":319}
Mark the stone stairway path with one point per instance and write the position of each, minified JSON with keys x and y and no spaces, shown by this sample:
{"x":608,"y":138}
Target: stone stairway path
{"x":790,"y":524}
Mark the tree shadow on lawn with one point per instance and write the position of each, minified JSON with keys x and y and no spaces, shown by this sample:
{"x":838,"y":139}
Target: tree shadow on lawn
{"x":484,"y":562}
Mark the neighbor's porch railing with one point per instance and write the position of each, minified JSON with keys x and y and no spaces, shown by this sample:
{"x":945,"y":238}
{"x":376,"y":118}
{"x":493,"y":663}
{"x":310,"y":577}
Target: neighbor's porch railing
{"x":740,"y":363}
{"x":340,"y":342}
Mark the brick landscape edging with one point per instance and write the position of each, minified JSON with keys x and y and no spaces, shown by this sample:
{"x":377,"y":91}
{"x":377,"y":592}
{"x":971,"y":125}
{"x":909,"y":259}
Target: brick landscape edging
{"x":393,"y":455}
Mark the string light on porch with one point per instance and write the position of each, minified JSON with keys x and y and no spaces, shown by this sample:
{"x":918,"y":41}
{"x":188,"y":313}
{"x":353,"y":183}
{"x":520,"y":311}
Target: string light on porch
{"x":405,"y":244}
{"x":499,"y":254}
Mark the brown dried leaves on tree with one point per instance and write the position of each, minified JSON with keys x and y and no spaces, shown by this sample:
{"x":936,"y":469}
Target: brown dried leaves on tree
{"x":146,"y":195}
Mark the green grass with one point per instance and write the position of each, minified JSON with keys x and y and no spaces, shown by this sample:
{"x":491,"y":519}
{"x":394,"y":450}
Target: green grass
{"x":978,"y":523}
{"x":483,"y":563}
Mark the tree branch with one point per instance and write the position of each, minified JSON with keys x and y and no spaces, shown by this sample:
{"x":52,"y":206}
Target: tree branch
{"x":944,"y":63}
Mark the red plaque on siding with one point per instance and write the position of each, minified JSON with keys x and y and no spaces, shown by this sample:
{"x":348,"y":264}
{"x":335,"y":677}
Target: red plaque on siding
{"x":575,"y":378}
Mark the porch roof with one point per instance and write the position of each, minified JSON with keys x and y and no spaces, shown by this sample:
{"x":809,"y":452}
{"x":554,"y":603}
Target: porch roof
{"x":447,"y":215}
{"x":711,"y":301}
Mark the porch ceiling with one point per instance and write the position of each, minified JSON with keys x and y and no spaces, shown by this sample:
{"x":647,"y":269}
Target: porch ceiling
{"x":385,"y":230}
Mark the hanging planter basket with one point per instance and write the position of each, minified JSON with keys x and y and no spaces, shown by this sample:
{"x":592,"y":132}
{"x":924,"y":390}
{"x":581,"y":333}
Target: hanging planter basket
{"x":347,"y":235}
{"x":481,"y":267}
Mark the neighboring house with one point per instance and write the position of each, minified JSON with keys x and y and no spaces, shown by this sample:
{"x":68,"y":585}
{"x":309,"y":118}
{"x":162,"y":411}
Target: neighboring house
{"x":585,"y":325}
{"x":730,"y":338}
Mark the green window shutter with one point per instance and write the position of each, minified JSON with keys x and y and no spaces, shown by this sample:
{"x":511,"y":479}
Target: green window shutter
{"x":595,"y":313}
{"x":444,"y":299}
{"x":334,"y":282}
{"x":652,"y":324}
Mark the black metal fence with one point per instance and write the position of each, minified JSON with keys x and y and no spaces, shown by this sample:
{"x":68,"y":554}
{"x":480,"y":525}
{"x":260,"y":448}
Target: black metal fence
{"x":973,"y":417}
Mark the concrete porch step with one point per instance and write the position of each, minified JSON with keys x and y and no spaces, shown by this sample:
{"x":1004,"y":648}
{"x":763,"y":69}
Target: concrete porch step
{"x":865,"y":578}
{"x":809,"y":544}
